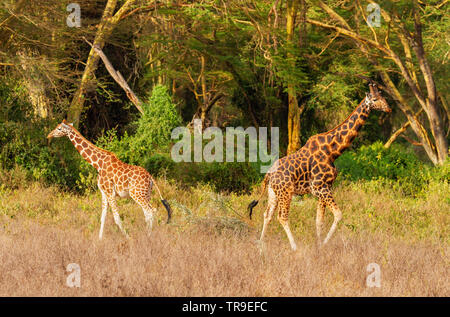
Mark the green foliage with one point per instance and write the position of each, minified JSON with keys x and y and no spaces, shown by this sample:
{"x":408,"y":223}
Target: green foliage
{"x":394,"y":165}
{"x":247,"y":59}
{"x":224,"y":177}
{"x":24,"y":144}
{"x":152,"y":130}
{"x":160,"y":118}
{"x":159,"y":164}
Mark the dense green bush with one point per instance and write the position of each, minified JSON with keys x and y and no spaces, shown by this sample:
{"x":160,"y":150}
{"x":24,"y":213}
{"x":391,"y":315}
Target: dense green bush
{"x":24,"y":144}
{"x":226,"y":176}
{"x":152,"y":130}
{"x":159,"y":164}
{"x":149,"y":146}
{"x":395,"y":165}
{"x":223,"y":177}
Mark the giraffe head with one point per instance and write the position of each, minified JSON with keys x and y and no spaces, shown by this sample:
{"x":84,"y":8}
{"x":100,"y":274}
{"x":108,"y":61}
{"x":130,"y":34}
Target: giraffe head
{"x":61,"y":130}
{"x":375,"y":101}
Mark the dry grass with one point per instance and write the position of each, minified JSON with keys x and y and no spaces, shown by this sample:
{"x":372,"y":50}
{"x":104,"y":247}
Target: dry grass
{"x":209,"y":250}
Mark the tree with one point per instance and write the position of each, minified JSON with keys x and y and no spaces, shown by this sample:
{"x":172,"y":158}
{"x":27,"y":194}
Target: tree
{"x":105,"y":28}
{"x":34,"y":51}
{"x":294,"y":111}
{"x":404,"y":29}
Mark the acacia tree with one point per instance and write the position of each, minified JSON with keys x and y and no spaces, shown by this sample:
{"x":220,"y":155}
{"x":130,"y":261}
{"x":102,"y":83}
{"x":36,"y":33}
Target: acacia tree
{"x":397,"y":48}
{"x":34,"y":52}
{"x":183,"y":46}
{"x":105,"y":28}
{"x":293,"y":8}
{"x":294,"y":111}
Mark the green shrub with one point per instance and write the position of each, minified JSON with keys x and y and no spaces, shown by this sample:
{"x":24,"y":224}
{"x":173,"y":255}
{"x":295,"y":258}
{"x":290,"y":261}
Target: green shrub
{"x":395,"y":165}
{"x":229,"y":176}
{"x":152,"y":130}
{"x":160,"y":163}
{"x":441,"y":173}
{"x":24,"y":144}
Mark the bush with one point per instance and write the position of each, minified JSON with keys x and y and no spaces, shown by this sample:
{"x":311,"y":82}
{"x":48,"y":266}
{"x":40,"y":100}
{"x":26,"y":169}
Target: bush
{"x":152,"y":130}
{"x":24,"y":144}
{"x":222,"y":177}
{"x":227,"y":176}
{"x":160,"y":163}
{"x":394,"y":165}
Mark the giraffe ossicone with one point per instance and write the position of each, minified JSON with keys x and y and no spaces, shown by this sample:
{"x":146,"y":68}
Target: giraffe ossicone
{"x":311,"y":170}
{"x":115,"y":178}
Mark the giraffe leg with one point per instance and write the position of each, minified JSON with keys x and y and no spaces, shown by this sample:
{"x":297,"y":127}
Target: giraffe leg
{"x":112,"y":202}
{"x":283,"y":213}
{"x":144,"y":202}
{"x":271,"y":206}
{"x":148,"y":214}
{"x":337,"y":217}
{"x":319,"y":220}
{"x":104,"y":212}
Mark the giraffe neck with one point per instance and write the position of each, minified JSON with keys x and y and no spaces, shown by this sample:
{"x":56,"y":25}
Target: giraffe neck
{"x":343,"y":135}
{"x":92,"y":154}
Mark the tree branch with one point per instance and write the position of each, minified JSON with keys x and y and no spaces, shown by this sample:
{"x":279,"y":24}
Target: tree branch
{"x":117,"y":76}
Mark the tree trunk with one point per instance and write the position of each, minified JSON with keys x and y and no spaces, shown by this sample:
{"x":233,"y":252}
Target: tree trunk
{"x":105,"y":28}
{"x":293,"y":109}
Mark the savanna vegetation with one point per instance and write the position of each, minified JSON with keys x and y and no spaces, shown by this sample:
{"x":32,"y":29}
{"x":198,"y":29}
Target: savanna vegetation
{"x":299,"y":65}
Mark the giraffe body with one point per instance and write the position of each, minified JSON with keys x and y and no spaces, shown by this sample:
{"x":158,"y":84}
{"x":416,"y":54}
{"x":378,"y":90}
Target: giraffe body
{"x":311,"y":170}
{"x":115,"y":178}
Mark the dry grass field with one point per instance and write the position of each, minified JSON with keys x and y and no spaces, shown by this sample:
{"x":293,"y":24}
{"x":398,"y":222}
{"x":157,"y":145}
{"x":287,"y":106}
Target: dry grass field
{"x":210,"y":247}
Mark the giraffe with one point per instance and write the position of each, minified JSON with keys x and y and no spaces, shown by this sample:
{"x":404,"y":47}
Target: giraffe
{"x":115,"y":178}
{"x":311,"y":170}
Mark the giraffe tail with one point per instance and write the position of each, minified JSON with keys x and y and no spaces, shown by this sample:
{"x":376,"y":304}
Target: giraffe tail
{"x":163,"y":201}
{"x":169,"y":210}
{"x":255,"y":202}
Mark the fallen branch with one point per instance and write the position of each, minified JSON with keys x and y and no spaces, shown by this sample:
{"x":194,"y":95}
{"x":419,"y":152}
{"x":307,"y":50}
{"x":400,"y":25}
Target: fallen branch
{"x":117,"y":76}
